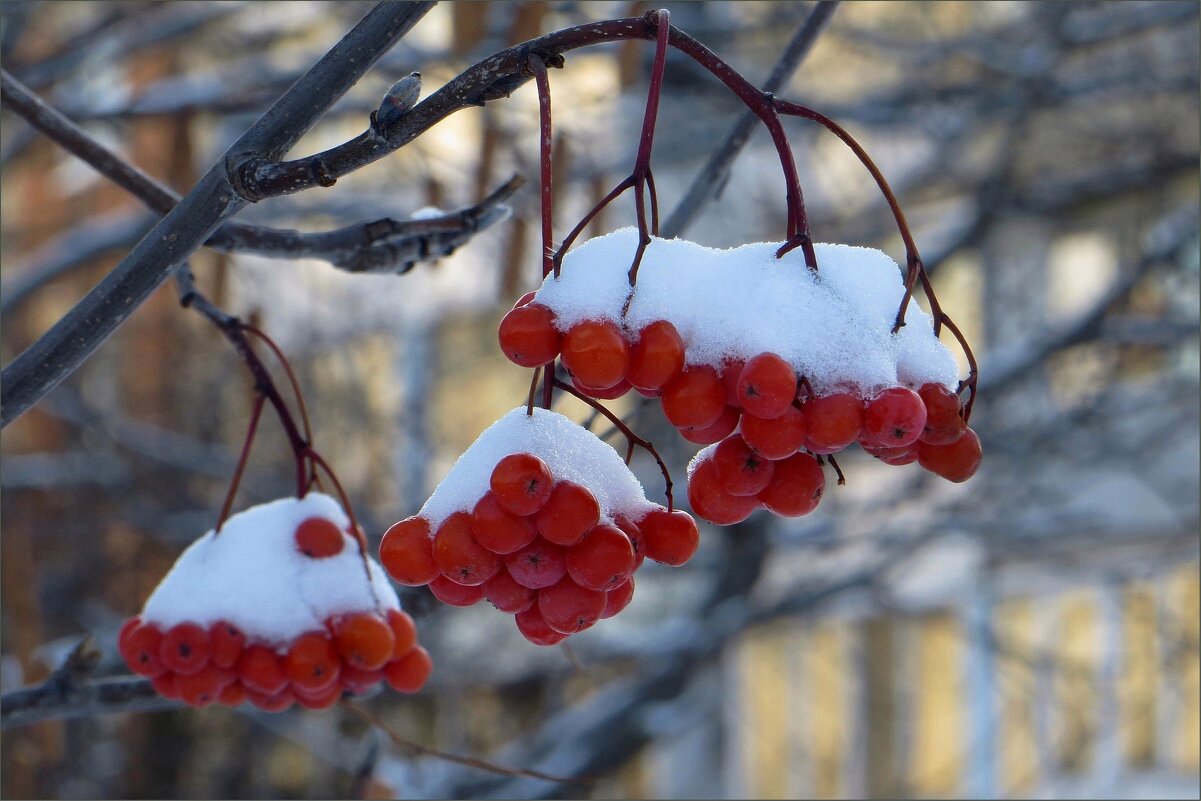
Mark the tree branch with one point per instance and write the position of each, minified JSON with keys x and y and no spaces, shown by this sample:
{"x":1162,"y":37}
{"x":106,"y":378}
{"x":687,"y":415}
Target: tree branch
{"x":73,"y":339}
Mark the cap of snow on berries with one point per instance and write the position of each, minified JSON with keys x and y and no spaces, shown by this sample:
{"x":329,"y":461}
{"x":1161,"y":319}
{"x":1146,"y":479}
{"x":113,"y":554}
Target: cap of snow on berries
{"x":833,"y":327}
{"x":275,"y":571}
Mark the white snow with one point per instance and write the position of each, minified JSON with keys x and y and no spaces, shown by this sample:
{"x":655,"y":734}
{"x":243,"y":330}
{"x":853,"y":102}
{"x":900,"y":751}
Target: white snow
{"x":572,"y":452}
{"x":834,"y":328}
{"x":251,"y":574}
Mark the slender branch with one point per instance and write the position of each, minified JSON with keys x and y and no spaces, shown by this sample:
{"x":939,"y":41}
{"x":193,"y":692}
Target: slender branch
{"x":215,"y":198}
{"x":546,"y":175}
{"x":710,"y":181}
{"x":384,"y":245}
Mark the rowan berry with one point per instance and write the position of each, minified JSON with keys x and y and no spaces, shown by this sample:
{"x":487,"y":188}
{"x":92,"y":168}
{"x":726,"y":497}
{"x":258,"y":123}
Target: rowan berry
{"x":896,"y":417}
{"x":457,"y":554}
{"x":596,"y":353}
{"x":742,"y":471}
{"x":537,"y":565}
{"x":956,"y":461}
{"x":323,"y":699}
{"x":357,"y":680}
{"x":695,"y":398}
{"x":570,"y":512}
{"x":637,"y":540}
{"x":312,"y":663}
{"x":522,"y":483}
{"x":731,"y":371}
{"x":123,"y":634}
{"x":454,"y":594}
{"x":186,"y":648}
{"x":409,"y":674}
{"x":766,"y":385}
{"x":832,"y":421}
{"x":611,"y":393}
{"x":497,"y":530}
{"x":528,"y":336}
{"x":503,"y":592}
{"x":603,"y":559}
{"x":364,"y":640}
{"x":709,"y":499}
{"x":319,"y":538}
{"x":203,"y":687}
{"x":407,"y":552}
{"x":906,"y":454}
{"x":567,"y":607}
{"x":141,"y":650}
{"x":277,"y":702}
{"x":233,"y":694}
{"x":404,"y":631}
{"x":777,"y":437}
{"x":944,"y":421}
{"x":671,"y":537}
{"x":796,"y":486}
{"x":166,"y":685}
{"x":261,"y":670}
{"x":228,"y":642}
{"x":656,"y":357}
{"x":715,"y":432}
{"x":618,"y":598}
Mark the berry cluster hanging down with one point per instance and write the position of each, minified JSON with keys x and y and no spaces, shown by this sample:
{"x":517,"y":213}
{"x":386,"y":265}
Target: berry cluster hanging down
{"x":543,"y":520}
{"x":276,"y":609}
{"x":774,"y":364}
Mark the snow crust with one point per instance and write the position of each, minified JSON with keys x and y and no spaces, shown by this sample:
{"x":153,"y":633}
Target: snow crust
{"x":253,"y":575}
{"x":834,"y":328}
{"x":572,"y":453}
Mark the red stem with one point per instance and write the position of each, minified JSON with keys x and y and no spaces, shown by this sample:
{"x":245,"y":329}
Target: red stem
{"x":359,"y":536}
{"x":544,"y":129}
{"x":255,"y":415}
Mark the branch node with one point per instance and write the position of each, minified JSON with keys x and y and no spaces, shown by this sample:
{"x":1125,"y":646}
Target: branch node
{"x":322,"y":174}
{"x":244,"y":179}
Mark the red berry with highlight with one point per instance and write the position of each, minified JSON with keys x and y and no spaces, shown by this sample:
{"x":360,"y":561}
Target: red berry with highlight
{"x":777,"y":437}
{"x":141,"y":651}
{"x":534,"y":628}
{"x":567,"y":607}
{"x":404,"y":631}
{"x":895,"y":418}
{"x":618,"y":598}
{"x":453,"y":594}
{"x":358,"y":680}
{"x":364,"y":640}
{"x":671,"y":537}
{"x":537,"y":565}
{"x":186,"y":648}
{"x":741,"y":470}
{"x":278,"y":702}
{"x":766,"y":385}
{"x":570,"y":512}
{"x":407,"y":552}
{"x":957,"y":461}
{"x":602,"y":560}
{"x":832,"y":421}
{"x":695,"y":398}
{"x":507,"y":595}
{"x":656,"y":357}
{"x":796,"y":487}
{"x":731,"y":371}
{"x":522,"y":483}
{"x":596,"y":353}
{"x":709,"y":499}
{"x":233,"y":694}
{"x":262,"y":670}
{"x":319,"y":538}
{"x":497,"y":530}
{"x":203,"y":687}
{"x":408,"y":675}
{"x":457,"y":554}
{"x":324,"y":699}
{"x":312,"y":663}
{"x":611,"y":393}
{"x":528,"y":336}
{"x":166,"y":685}
{"x":944,"y":421}
{"x":228,"y":642}
{"x":715,"y":432}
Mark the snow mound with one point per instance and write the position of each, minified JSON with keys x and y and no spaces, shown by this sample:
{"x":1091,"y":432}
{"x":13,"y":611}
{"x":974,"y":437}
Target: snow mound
{"x":572,"y":452}
{"x":253,"y":575}
{"x":833,"y":327}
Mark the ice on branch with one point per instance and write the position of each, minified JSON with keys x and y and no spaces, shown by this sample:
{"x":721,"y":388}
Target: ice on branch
{"x":252,"y":574}
{"x":835,"y":327}
{"x":570,"y":451}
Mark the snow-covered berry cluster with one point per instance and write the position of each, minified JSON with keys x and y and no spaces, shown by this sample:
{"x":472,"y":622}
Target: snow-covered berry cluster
{"x":543,"y":520}
{"x":774,"y":364}
{"x":277,"y":607}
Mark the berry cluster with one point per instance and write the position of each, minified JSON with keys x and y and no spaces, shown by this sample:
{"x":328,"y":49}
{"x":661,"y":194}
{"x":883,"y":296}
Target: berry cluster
{"x":537,"y":548}
{"x":782,"y":430}
{"x":218,"y":664}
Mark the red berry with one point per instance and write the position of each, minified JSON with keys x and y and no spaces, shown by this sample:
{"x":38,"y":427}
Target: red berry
{"x":233,"y":694}
{"x":777,"y":437}
{"x":957,"y":461}
{"x":318,"y":537}
{"x":796,"y":486}
{"x":533,"y":627}
{"x":832,"y":421}
{"x":312,"y":663}
{"x":459,"y":556}
{"x":709,"y":499}
{"x":944,"y":422}
{"x":166,"y":685}
{"x":123,"y":635}
{"x":896,"y":417}
{"x":186,"y":648}
{"x":497,"y":530}
{"x":364,"y":640}
{"x":567,"y":607}
{"x":634,"y":532}
{"x":602,"y":560}
{"x":358,"y":680}
{"x":407,"y":552}
{"x":766,"y":385}
{"x":731,"y":370}
{"x":537,"y":565}
{"x":404,"y":632}
{"x":323,"y":699}
{"x":656,"y":357}
{"x":715,"y":432}
{"x":528,"y":336}
{"x":612,"y":393}
{"x":453,"y":594}
{"x":524,"y":299}
{"x":596,"y":353}
{"x":507,"y":595}
{"x":141,"y":650}
{"x":228,"y":642}
{"x":409,"y":674}
{"x":906,"y":454}
{"x":203,"y":687}
{"x":570,"y":512}
{"x":521,"y":483}
{"x":618,"y":598}
{"x":671,"y":537}
{"x":277,"y":702}
{"x":741,"y":470}
{"x":695,"y":398}
{"x":262,"y":670}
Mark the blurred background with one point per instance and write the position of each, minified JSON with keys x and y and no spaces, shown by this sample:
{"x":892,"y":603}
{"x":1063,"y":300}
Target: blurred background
{"x":1031,"y":633}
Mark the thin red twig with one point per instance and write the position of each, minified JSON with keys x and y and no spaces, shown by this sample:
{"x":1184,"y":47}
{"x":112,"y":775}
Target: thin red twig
{"x":255,"y":414}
